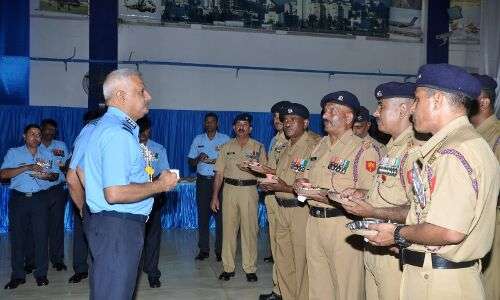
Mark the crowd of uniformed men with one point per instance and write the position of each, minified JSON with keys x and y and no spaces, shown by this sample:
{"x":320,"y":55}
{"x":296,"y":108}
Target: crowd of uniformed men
{"x":426,"y":206}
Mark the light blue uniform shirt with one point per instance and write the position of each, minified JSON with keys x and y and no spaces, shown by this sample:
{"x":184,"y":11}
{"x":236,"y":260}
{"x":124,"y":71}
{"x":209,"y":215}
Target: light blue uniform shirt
{"x":60,"y":155}
{"x":114,"y":158}
{"x":80,"y":145}
{"x":210,"y":147}
{"x":23,"y":182}
{"x":160,"y":163}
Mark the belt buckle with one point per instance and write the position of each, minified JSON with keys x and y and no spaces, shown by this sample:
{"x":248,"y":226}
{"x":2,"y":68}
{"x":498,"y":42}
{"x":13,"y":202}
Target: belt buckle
{"x":29,"y":195}
{"x":318,"y":212}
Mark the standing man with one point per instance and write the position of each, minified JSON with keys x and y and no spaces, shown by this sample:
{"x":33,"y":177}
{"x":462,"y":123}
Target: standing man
{"x":151,"y":252}
{"x":488,"y":126}
{"x":278,"y":142}
{"x":240,"y":197}
{"x":362,"y":125}
{"x":455,"y":186}
{"x":119,"y":188}
{"x":30,"y":170}
{"x":340,"y":161}
{"x":388,"y":192}
{"x":291,"y":215}
{"x":202,"y":155}
{"x":58,"y":193}
{"x":75,"y":179}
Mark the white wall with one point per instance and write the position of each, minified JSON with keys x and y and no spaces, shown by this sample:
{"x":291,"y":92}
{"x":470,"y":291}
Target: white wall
{"x":216,"y":89}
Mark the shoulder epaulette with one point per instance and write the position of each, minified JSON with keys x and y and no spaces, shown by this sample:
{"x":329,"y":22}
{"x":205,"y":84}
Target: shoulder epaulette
{"x":129,"y":125}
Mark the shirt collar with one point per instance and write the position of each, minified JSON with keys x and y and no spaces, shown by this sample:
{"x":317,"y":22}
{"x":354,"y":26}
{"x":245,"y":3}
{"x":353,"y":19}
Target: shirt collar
{"x":402,"y":138}
{"x":486,"y":124}
{"x":442,"y":134}
{"x":114,"y":111}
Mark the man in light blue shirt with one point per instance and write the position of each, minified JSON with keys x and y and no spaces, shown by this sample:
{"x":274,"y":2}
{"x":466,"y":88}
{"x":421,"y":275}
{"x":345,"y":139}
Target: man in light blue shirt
{"x":202,"y":155}
{"x":75,"y":179}
{"x":118,"y":191}
{"x":58,"y":194}
{"x":30,"y":170}
{"x":151,"y":253}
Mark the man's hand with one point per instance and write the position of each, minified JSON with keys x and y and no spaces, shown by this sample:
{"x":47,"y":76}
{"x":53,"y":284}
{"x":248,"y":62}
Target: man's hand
{"x":166,"y":181}
{"x":261,"y":169}
{"x":359,"y":207}
{"x":353,"y":194}
{"x":35,"y":168}
{"x":215,"y":204}
{"x":384,"y":236}
{"x":202,"y":157}
{"x":279,"y":186}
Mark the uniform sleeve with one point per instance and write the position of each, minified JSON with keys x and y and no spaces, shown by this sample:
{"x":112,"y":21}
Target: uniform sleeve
{"x":164,"y":165}
{"x":367,"y":168}
{"x":116,"y":163}
{"x":193,"y":151}
{"x":220,"y":163}
{"x":453,"y":199}
{"x":262,"y":155}
{"x":9,"y":160}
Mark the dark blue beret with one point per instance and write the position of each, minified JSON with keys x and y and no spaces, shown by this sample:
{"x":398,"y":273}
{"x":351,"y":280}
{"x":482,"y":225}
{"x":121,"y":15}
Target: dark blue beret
{"x":448,"y":78}
{"x":363,"y":115}
{"x":277,"y":107}
{"x":342,"y":97}
{"x":243,"y":117}
{"x":295,"y":109}
{"x":395,"y":90}
{"x":487,"y":83}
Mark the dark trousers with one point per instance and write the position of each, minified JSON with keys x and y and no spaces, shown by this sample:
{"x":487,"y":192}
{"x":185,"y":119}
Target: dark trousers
{"x":28,"y":214}
{"x":115,"y":245}
{"x":151,"y":253}
{"x":204,"y":189}
{"x":80,"y":244}
{"x":58,"y":196}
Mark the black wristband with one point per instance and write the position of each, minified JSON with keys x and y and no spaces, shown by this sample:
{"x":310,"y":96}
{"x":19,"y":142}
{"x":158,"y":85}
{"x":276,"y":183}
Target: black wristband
{"x":399,"y":239}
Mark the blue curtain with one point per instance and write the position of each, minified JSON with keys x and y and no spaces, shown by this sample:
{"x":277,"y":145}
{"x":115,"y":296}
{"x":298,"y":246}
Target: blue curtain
{"x":14,"y":52}
{"x":175,"y":129}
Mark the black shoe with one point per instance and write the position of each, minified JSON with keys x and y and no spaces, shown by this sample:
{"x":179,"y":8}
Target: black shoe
{"x":218,"y":256}
{"x":154,"y":282}
{"x":59,"y":266}
{"x":269,"y":259}
{"x":14,"y":283}
{"x":226,"y":276}
{"x":29,"y":268}
{"x":202,"y":255}
{"x":77,"y":277}
{"x":272,"y":296}
{"x":41,"y":281}
{"x":251,"y":277}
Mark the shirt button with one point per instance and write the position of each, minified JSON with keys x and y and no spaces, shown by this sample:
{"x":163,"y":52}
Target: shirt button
{"x":426,"y":276}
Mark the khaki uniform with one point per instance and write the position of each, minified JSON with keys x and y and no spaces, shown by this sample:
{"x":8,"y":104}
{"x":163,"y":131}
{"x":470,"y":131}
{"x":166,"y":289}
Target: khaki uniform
{"x":490,"y":131}
{"x":379,"y":147}
{"x":383,"y":275}
{"x":239,"y":208}
{"x":461,"y":179}
{"x":291,"y":221}
{"x":334,"y":255}
{"x":272,"y":206}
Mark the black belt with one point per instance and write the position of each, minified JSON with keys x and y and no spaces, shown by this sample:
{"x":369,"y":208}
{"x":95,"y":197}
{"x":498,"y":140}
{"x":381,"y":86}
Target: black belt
{"x":284,"y":202}
{"x":416,"y":259}
{"x":239,"y":182}
{"x":323,"y":212}
{"x":27,"y":195}
{"x":120,"y":215}
{"x":205,"y":177}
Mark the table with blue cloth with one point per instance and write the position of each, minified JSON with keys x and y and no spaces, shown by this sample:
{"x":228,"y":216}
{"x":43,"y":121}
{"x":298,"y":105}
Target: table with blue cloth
{"x":179,"y":211}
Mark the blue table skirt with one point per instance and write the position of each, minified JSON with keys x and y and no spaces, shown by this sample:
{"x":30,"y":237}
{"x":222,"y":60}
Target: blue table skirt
{"x":179,"y":210}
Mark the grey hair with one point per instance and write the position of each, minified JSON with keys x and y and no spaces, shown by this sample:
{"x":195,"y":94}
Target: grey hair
{"x":455,"y":98}
{"x":115,"y":78}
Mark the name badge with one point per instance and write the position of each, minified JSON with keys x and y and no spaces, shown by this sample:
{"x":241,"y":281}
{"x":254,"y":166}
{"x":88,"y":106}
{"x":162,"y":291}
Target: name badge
{"x":201,"y":146}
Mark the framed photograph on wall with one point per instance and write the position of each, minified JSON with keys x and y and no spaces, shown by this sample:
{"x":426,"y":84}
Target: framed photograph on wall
{"x":80,"y":7}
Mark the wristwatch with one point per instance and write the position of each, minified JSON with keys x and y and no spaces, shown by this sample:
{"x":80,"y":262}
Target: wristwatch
{"x":399,"y":239}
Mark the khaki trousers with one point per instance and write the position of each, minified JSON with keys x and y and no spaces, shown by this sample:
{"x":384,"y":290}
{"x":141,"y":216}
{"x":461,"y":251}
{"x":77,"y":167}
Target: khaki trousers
{"x":382,"y":274}
{"x":334,"y":260}
{"x":291,"y":252}
{"x":425,"y":283}
{"x":492,"y":268}
{"x":271,"y":209}
{"x":239,"y":211}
